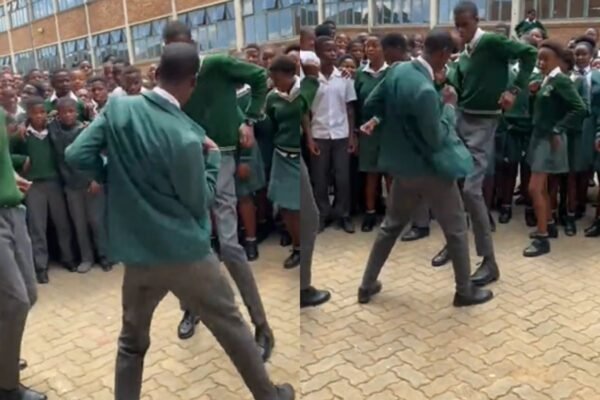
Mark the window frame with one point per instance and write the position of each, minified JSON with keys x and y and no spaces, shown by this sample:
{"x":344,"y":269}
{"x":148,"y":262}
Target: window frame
{"x":31,"y":65}
{"x":418,"y":8}
{"x":73,"y":57}
{"x":213,"y":27}
{"x":64,"y":5}
{"x":18,"y":12}
{"x":48,"y":57}
{"x":41,"y":9}
{"x":118,"y":49}
{"x":276,"y":20}
{"x":551,"y":7}
{"x":150,"y":41}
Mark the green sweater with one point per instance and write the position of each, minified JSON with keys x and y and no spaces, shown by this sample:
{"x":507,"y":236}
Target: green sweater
{"x":160,"y":182}
{"x":60,"y":138}
{"x":364,"y":83}
{"x":558,"y":108}
{"x":81,"y":112}
{"x":482,"y":76}
{"x":10,"y":196}
{"x":213,"y":104}
{"x":42,"y":160}
{"x":527,"y":26}
{"x":286,"y":111}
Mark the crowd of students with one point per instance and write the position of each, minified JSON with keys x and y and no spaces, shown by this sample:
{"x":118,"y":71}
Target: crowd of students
{"x":550,"y":180}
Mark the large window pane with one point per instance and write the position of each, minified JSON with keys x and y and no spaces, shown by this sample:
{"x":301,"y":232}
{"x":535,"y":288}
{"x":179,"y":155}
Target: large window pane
{"x":3,"y":24}
{"x":75,"y":51}
{"x":19,"y":14}
{"x":66,"y":4}
{"x":309,"y":15}
{"x":213,"y":28}
{"x":147,"y":39}
{"x":347,"y":12}
{"x":113,"y":43}
{"x":42,"y":8}
{"x":273,"y":19}
{"x":489,"y":10}
{"x":24,"y":62}
{"x":48,"y":58}
{"x":565,"y":9}
{"x":402,"y":11}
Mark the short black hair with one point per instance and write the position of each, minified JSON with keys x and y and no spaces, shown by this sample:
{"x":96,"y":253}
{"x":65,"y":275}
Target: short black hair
{"x":121,"y":61}
{"x":284,"y":64}
{"x":175,"y":29}
{"x":95,"y":79}
{"x":253,"y":46}
{"x":323,"y":30}
{"x":34,"y":101}
{"x":394,"y":40}
{"x":66,"y":102}
{"x":330,"y":22}
{"x":131,"y":69}
{"x":58,"y":71}
{"x":31,"y":72}
{"x":439,"y":40}
{"x":39,"y":88}
{"x":568,"y":57}
{"x":354,"y":43}
{"x":344,"y":58}
{"x":178,"y":62}
{"x":588,"y":41}
{"x":320,"y":42}
{"x":555,"y":46}
{"x":466,"y":6}
{"x":531,"y":10}
{"x":291,"y":47}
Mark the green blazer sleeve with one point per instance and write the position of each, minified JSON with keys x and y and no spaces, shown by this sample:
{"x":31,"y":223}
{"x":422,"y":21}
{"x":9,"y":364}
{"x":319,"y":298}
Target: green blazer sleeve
{"x":514,"y":50}
{"x":434,"y":121}
{"x":308,"y":90}
{"x":85,"y":152}
{"x":574,"y":105}
{"x":18,"y":152}
{"x":375,"y":103}
{"x":246,"y":73}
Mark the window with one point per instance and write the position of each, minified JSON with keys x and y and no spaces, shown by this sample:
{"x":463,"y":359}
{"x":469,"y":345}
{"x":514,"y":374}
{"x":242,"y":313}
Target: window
{"x":213,"y":28}
{"x":347,"y":12}
{"x":75,"y":51}
{"x":402,"y":11}
{"x":309,"y":14}
{"x":5,"y":60}
{"x":266,"y":20}
{"x":48,"y":58}
{"x":3,"y":26}
{"x":110,"y":44}
{"x":67,"y":4}
{"x":19,"y":15}
{"x":489,"y":10}
{"x":41,"y":8}
{"x":24,"y":62}
{"x":147,"y":39}
{"x":563,"y":9}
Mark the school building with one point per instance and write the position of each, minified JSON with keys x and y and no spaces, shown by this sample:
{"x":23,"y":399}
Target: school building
{"x":52,"y":33}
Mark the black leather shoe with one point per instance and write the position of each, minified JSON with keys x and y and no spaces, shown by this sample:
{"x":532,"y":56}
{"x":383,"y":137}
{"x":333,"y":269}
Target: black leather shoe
{"x":492,"y":222}
{"x":580,"y":212}
{"x":106,"y":265}
{"x":538,"y":247}
{"x":477,"y":296}
{"x":42,"y":277}
{"x":505,"y":214}
{"x":293,"y":260}
{"x":442,"y":258}
{"x":593,"y":230}
{"x":285,"y":239}
{"x":346,"y":224}
{"x":530,"y":219}
{"x":285,"y":392}
{"x":70,"y":266}
{"x":552,"y":233}
{"x":22,"y":364}
{"x":312,"y":297}
{"x":369,"y":222}
{"x":251,"y":249}
{"x":187,"y":326}
{"x":521,"y":201}
{"x":570,"y":226}
{"x":265,"y":341}
{"x":486,"y":273}
{"x":22,"y":393}
{"x":365,"y":293}
{"x":415,"y":233}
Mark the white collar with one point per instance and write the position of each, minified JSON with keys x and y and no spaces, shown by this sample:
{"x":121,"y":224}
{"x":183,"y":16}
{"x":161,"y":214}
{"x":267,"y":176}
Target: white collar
{"x":167,"y":96}
{"x":531,"y":21}
{"x":291,"y":96}
{"x":476,"y":38}
{"x":38,"y":134}
{"x":424,"y":63}
{"x":54,"y":97}
{"x":371,"y":71}
{"x":336,"y":73}
{"x":243,"y":90}
{"x":552,"y":74}
{"x":586,"y":70}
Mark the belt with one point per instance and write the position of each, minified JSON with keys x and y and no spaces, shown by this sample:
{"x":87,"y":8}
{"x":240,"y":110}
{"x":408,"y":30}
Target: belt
{"x":287,"y":154}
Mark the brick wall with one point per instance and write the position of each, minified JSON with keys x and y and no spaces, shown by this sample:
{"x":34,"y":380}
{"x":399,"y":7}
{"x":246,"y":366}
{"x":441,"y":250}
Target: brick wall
{"x":4,"y":44}
{"x":44,"y":32}
{"x":107,"y":14}
{"x":143,"y":10}
{"x":71,"y":24}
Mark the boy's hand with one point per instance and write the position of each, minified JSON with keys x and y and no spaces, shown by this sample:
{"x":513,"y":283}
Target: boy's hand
{"x":243,"y":171}
{"x":94,"y":188}
{"x":368,"y":127}
{"x":209,"y":145}
{"x":22,"y":183}
{"x":246,"y":136}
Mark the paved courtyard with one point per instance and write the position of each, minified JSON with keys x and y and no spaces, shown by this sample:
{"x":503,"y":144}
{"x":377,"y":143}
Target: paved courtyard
{"x":538,"y":339}
{"x":72,"y":334}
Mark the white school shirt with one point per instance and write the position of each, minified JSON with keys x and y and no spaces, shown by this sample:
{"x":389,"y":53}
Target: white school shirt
{"x":552,"y":74}
{"x":329,"y":108}
{"x":428,"y":67}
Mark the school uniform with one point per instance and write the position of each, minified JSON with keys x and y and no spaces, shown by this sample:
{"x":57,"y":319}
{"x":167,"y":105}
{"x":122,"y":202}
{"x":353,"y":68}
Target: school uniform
{"x":527,"y":25}
{"x":159,"y":165}
{"x":219,"y":115}
{"x":557,"y":109}
{"x":257,"y":180}
{"x":50,"y":105}
{"x":18,"y":292}
{"x":330,"y":131}
{"x":286,"y":110}
{"x":420,"y":149}
{"x":481,"y":78}
{"x":86,"y":209}
{"x":44,"y":196}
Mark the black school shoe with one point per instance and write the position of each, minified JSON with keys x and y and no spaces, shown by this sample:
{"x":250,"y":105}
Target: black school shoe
{"x":476,"y":296}
{"x":293,"y":260}
{"x":365,"y":293}
{"x":486,"y":273}
{"x":251,"y":249}
{"x":538,"y":247}
{"x":593,"y":230}
{"x":570,"y":226}
{"x":369,"y":222}
{"x":442,"y":258}
{"x":22,"y":393}
{"x":187,"y":326}
{"x":505,"y":215}
{"x":415,"y":233}
{"x":42,"y":277}
{"x":312,"y":297}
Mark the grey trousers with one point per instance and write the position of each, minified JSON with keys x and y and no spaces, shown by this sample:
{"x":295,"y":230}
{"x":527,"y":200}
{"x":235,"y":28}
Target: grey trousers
{"x":205,"y":292}
{"x":232,"y":253}
{"x":421,"y":217}
{"x":86,"y":213}
{"x":44,"y":196}
{"x":402,"y":202}
{"x":334,"y":157}
{"x":309,"y":227}
{"x":478,"y":135}
{"x":18,"y":291}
